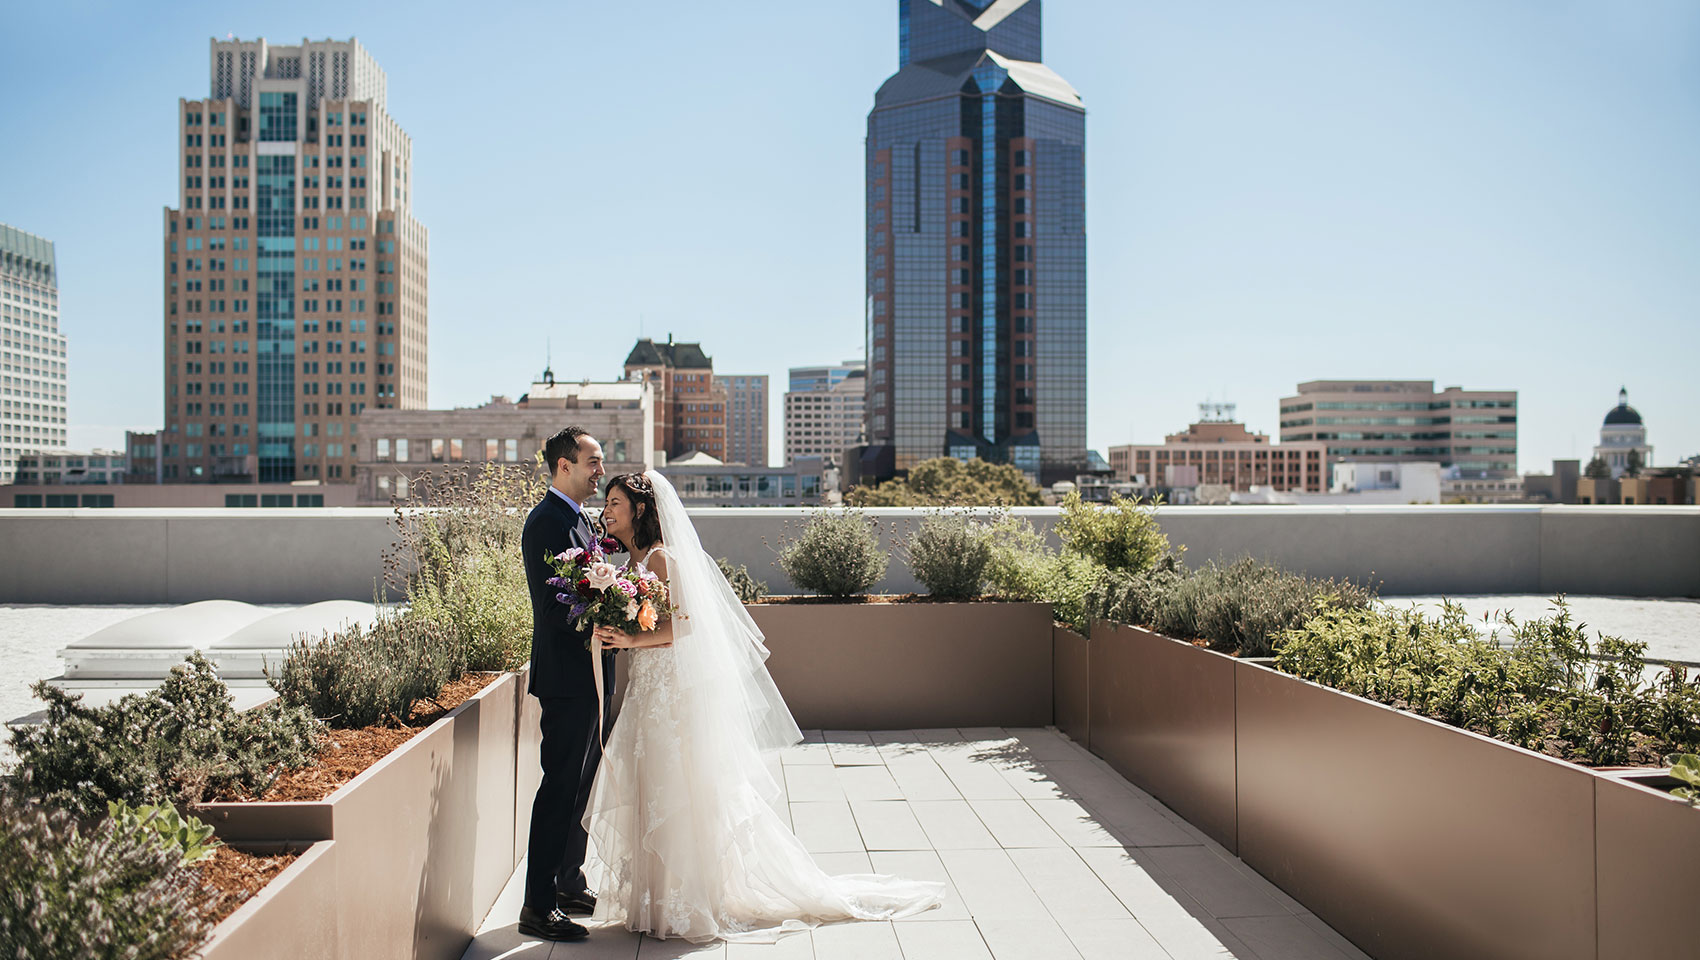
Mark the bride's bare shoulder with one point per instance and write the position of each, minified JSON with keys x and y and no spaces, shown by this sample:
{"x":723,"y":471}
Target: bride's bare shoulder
{"x":656,"y":561}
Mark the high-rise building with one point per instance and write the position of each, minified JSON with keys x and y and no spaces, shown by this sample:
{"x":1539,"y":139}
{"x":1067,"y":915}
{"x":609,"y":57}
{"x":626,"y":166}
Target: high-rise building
{"x":1472,"y":434}
{"x":746,"y":418}
{"x":690,"y":404}
{"x":976,"y":247}
{"x":824,"y":411}
{"x":32,"y":388}
{"x":295,"y":273}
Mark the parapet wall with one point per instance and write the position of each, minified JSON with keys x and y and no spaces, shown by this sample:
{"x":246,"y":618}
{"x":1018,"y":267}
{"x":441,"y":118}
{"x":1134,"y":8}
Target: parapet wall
{"x":152,"y":556}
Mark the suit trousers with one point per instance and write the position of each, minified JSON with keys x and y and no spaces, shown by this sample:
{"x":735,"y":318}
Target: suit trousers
{"x":570,"y":753}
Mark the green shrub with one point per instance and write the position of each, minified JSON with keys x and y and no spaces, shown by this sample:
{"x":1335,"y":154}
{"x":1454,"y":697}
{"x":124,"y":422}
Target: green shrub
{"x":1122,"y":536}
{"x":189,"y":837}
{"x":1024,"y":567}
{"x":457,"y":559}
{"x":360,"y":677}
{"x":182,"y":744}
{"x":483,"y":608}
{"x":1546,"y":691}
{"x":837,"y":555}
{"x":948,"y":553}
{"x":1241,"y":607}
{"x":1685,"y":767}
{"x":748,"y":588}
{"x":74,"y":892}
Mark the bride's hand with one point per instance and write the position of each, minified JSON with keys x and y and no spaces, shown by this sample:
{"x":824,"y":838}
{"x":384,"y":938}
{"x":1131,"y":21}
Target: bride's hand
{"x":610,"y":637}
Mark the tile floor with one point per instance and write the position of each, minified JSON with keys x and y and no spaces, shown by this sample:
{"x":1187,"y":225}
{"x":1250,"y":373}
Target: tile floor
{"x":1048,"y":853}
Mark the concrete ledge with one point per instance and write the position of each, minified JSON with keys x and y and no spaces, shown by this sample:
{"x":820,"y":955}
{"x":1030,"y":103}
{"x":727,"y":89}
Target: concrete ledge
{"x":308,"y":555}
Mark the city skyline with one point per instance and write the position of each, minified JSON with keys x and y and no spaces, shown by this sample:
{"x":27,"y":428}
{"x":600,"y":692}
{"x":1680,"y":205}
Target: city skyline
{"x":1488,"y":197}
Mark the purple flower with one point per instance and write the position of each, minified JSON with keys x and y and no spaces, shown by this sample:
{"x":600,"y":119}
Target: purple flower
{"x":560,"y":583}
{"x":562,"y":598}
{"x":626,"y":587}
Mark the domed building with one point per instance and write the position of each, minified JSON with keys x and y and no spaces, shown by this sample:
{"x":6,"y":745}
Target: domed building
{"x":1623,"y":433}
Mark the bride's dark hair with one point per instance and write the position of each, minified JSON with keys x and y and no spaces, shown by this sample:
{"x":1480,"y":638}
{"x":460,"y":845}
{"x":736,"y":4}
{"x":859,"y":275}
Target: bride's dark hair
{"x":646,"y":520}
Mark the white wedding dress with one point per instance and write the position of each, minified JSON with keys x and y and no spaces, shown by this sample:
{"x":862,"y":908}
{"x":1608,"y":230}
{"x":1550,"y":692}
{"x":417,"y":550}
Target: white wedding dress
{"x":684,"y":834}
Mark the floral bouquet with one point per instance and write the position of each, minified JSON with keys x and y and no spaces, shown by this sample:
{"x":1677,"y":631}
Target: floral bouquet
{"x":599,"y":593}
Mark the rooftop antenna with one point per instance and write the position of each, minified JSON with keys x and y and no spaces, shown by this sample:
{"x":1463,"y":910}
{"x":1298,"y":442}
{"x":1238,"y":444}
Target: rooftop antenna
{"x":548,"y":362}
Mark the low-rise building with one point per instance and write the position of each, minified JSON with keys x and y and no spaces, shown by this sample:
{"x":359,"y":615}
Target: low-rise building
{"x":60,"y":467}
{"x":703,"y":481}
{"x":398,"y":447}
{"x":1559,"y":486}
{"x":1218,"y":450}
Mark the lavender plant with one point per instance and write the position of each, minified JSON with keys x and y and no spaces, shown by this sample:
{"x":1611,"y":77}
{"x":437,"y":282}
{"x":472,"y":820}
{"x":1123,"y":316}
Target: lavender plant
{"x":359,"y":677}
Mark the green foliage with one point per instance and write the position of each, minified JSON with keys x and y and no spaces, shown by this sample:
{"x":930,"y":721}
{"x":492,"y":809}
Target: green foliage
{"x":1685,"y":767}
{"x":1122,"y":536}
{"x":946,"y":481}
{"x":1597,"y":469}
{"x":948,"y":553}
{"x":456,"y":556}
{"x":187,"y":836}
{"x":837,"y":555}
{"x":748,"y":588}
{"x":1024,"y":567}
{"x":182,"y":744}
{"x":1241,"y":607}
{"x":74,"y":892}
{"x":360,"y":677}
{"x":1545,"y":691}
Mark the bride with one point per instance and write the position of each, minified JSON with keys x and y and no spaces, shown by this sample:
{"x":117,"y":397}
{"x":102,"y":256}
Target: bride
{"x":681,"y":817}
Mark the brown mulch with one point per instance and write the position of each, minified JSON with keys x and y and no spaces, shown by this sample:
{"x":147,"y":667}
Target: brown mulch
{"x":345,"y":754}
{"x":234,"y":876}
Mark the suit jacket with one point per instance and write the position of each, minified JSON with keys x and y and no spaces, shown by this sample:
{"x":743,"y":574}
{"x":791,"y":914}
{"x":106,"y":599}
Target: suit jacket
{"x":560,"y":664}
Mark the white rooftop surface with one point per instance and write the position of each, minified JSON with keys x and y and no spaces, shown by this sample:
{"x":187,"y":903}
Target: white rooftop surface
{"x":1048,"y":854}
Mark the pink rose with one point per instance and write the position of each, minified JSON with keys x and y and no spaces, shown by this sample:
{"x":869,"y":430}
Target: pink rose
{"x":569,"y":555}
{"x":602,"y":575}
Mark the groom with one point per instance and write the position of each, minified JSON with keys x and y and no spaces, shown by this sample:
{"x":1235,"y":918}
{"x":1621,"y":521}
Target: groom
{"x":565,"y":687}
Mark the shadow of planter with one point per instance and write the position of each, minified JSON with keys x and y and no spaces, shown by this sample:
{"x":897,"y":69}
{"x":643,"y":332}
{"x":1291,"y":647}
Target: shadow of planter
{"x":1413,"y":838}
{"x":1647,"y":849}
{"x":294,"y":916}
{"x":1162,"y":715}
{"x":883,"y":666}
{"x":1071,"y":684}
{"x":424,"y":838}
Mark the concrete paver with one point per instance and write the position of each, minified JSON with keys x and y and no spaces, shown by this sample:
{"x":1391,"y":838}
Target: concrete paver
{"x":1046,"y":852}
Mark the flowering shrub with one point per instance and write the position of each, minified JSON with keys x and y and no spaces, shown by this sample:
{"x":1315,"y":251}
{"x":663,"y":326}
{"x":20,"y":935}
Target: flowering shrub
{"x":74,"y":891}
{"x":838,"y":554}
{"x":182,"y":744}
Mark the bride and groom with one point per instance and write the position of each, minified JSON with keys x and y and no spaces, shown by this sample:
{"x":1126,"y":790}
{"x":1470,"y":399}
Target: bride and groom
{"x":679,"y":799}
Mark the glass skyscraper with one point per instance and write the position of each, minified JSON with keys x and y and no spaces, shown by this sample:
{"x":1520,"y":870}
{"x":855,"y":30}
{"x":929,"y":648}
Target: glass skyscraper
{"x":976,"y":247}
{"x":295,"y":272}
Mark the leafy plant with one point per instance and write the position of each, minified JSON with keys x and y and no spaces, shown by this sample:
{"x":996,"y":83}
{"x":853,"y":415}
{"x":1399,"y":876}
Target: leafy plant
{"x":1024,"y":567}
{"x":359,"y":677}
{"x":949,"y":552}
{"x":1685,"y":767}
{"x":457,"y":559}
{"x":1551,"y":690}
{"x":837,"y":554}
{"x":182,"y":743}
{"x":1122,"y":536}
{"x":187,"y":836}
{"x":75,"y":891}
{"x":748,"y":588}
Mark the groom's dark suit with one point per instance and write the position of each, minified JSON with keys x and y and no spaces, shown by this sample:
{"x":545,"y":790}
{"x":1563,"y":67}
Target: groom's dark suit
{"x":563,"y":683}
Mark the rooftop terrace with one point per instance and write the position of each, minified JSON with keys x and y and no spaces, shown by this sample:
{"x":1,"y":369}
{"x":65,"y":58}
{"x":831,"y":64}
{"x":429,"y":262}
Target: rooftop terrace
{"x":1048,"y":852}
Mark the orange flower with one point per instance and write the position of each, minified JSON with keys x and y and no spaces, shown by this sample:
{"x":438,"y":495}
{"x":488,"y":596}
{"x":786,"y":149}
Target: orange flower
{"x":646,"y":616}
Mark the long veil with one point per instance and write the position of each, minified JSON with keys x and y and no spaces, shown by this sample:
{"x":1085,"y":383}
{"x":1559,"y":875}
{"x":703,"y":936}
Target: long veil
{"x":719,"y":651}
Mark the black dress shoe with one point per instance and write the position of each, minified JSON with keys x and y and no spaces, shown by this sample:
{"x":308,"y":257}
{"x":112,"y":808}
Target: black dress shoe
{"x":582,"y":902}
{"x":553,"y":925}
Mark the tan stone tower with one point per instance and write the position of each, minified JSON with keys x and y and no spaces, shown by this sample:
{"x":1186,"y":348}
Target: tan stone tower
{"x":295,"y":273}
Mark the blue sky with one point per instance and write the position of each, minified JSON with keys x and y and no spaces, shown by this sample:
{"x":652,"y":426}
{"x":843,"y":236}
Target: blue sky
{"x":1488,"y":194}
